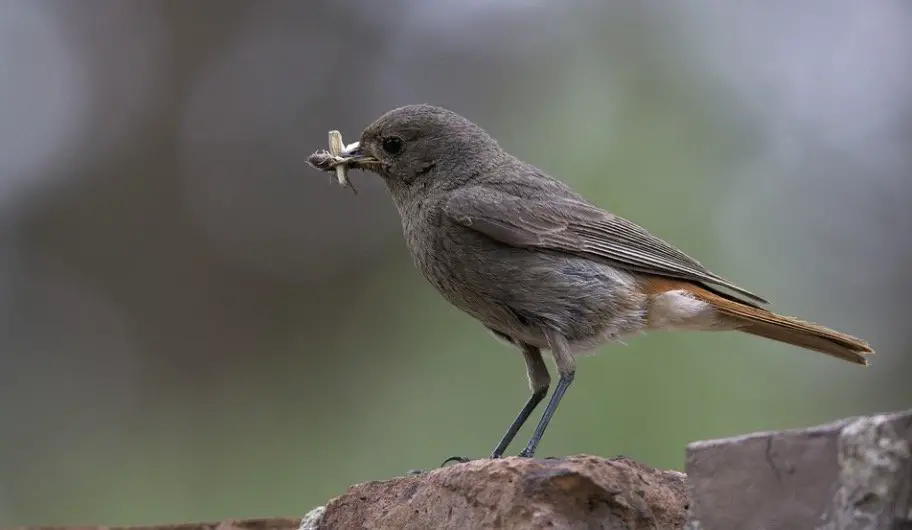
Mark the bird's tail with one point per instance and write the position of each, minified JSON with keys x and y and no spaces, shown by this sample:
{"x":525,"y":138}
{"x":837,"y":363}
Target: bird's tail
{"x":731,"y":313}
{"x":790,"y":330}
{"x":811,"y":336}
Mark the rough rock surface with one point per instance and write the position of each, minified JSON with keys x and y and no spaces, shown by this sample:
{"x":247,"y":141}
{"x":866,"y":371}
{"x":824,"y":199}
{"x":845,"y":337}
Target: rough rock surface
{"x":579,"y":492}
{"x":854,"y":474}
{"x":875,"y":475}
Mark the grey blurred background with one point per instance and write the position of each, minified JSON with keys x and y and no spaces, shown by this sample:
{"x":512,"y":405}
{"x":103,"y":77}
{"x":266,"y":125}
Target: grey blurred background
{"x":196,"y":325}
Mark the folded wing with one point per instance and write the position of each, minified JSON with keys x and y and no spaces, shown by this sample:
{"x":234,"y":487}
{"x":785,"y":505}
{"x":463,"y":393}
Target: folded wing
{"x":573,"y":226}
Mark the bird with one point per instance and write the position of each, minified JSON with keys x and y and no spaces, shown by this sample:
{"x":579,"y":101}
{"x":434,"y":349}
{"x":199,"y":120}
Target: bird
{"x":541,"y":267}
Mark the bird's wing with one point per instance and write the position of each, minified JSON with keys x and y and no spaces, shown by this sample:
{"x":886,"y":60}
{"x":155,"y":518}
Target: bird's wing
{"x":573,"y":226}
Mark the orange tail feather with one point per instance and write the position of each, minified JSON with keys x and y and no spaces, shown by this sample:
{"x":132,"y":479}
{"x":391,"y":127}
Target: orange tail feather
{"x":764,"y":323}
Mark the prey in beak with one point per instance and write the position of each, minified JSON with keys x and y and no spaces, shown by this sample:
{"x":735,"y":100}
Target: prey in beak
{"x":340,"y":158}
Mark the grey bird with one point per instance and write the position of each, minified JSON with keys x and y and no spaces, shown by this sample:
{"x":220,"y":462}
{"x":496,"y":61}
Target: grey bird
{"x":538,"y":265}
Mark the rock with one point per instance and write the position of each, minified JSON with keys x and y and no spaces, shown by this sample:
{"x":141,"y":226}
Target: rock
{"x":875,"y":475}
{"x":579,"y":492}
{"x":854,"y":474}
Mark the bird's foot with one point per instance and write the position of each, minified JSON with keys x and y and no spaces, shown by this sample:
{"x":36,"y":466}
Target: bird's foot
{"x":464,"y":459}
{"x":457,"y":459}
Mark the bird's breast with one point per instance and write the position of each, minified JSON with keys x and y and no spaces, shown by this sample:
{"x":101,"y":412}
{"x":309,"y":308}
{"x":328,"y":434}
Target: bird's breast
{"x":522,"y":292}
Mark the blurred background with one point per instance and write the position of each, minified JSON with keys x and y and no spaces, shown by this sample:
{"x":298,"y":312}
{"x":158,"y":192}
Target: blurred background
{"x":196,"y":325}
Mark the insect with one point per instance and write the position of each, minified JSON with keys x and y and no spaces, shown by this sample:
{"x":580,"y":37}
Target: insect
{"x":333,"y":159}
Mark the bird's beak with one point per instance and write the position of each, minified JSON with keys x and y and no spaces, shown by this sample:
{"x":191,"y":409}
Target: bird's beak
{"x":354,"y":156}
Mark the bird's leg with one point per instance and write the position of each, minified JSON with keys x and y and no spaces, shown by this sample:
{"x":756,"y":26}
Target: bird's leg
{"x":566,"y":367}
{"x":539,"y":381}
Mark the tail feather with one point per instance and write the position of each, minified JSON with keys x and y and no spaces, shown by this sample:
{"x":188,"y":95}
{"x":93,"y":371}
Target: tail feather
{"x":765,"y":323}
{"x":811,"y":337}
{"x":790,"y":330}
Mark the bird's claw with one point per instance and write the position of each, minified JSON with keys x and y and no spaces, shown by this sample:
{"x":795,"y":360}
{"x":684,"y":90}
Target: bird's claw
{"x":457,"y":459}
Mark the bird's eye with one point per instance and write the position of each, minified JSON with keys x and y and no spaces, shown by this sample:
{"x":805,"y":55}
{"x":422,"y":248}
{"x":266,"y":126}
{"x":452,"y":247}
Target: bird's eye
{"x":392,"y":145}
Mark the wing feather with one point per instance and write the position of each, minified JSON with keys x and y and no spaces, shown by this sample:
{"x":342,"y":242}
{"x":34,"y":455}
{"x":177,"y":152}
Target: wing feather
{"x":573,"y":226}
